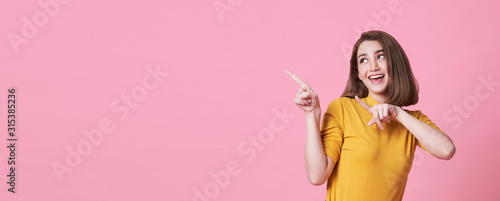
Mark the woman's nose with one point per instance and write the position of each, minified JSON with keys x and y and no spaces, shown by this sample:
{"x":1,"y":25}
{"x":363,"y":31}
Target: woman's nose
{"x":374,"y":66}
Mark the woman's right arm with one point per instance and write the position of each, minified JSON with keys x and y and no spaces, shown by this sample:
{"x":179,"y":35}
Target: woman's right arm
{"x":319,"y":166}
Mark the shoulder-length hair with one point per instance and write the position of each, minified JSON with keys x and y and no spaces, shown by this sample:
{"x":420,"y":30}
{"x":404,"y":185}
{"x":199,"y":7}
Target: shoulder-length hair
{"x":402,"y":88}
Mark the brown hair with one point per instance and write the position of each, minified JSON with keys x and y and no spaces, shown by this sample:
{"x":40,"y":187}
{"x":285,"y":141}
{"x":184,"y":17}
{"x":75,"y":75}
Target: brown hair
{"x":402,"y":89}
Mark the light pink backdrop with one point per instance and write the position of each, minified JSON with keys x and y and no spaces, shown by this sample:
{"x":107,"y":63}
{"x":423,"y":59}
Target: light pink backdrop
{"x":223,"y":105}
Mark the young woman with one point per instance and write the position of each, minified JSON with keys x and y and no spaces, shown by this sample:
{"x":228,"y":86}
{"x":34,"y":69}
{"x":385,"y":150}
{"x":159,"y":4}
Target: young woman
{"x":366,"y":142}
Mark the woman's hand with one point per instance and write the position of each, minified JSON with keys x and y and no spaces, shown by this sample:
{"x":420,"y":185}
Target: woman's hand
{"x":306,"y":99}
{"x":381,"y":112}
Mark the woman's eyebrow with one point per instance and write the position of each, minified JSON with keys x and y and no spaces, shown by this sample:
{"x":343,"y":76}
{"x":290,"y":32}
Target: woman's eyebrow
{"x":364,"y":54}
{"x":376,"y":52}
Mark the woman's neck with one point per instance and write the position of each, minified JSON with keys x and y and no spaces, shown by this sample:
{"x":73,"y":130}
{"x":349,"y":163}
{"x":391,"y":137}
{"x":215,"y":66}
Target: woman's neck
{"x":378,"y":97}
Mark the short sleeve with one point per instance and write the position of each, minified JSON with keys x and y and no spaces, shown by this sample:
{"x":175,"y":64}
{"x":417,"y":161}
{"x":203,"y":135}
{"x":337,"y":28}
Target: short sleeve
{"x":331,"y":130}
{"x":422,"y":117}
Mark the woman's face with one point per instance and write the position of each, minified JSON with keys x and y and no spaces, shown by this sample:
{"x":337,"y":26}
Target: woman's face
{"x":372,"y":67}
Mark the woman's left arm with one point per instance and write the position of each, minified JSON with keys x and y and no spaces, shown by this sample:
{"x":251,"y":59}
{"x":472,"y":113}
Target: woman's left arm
{"x":436,"y":142}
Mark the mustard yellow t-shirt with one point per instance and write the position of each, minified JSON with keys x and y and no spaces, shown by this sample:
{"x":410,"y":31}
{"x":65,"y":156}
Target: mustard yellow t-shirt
{"x":370,"y":163}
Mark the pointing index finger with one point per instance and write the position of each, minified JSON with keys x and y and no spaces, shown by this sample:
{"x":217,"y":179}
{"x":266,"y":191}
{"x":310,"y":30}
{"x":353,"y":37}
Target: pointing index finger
{"x":363,"y":104}
{"x":302,"y":84}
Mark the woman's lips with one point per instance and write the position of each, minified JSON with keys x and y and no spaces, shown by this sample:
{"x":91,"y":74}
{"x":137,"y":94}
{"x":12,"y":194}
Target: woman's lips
{"x":377,"y":79}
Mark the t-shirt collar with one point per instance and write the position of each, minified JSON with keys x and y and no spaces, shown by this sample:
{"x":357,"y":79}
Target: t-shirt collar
{"x":370,"y":101}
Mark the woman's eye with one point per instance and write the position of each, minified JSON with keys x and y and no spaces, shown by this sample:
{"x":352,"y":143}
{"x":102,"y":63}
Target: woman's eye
{"x":380,"y":56}
{"x":363,"y":60}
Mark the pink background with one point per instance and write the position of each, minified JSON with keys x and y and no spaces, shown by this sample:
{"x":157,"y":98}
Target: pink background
{"x":225,"y":84}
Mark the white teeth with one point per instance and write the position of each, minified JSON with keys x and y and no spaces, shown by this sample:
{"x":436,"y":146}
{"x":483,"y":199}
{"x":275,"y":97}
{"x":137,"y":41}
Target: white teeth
{"x":376,"y":76}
